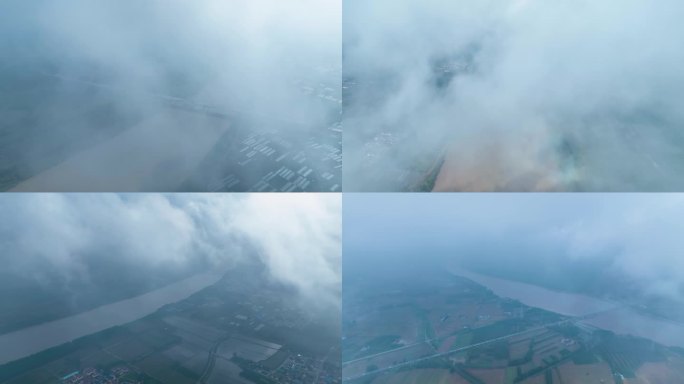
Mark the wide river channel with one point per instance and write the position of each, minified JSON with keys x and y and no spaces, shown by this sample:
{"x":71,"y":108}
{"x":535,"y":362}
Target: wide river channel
{"x":31,"y":340}
{"x":610,"y":316}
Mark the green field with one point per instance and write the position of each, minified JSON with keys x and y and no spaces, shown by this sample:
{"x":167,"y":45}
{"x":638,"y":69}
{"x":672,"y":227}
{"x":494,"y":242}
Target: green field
{"x":511,"y":374}
{"x":418,"y":376}
{"x":462,"y":340}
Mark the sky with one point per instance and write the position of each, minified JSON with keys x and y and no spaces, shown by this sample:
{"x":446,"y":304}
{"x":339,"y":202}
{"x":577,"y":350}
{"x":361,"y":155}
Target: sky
{"x":564,"y":95}
{"x":632,"y":238}
{"x":246,"y":57}
{"x":64,"y":242}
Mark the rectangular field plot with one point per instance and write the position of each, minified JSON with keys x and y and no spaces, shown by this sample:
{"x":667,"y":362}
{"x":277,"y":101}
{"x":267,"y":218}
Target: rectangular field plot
{"x":247,"y":348}
{"x":421,"y":376}
{"x":386,"y":360}
{"x":226,"y":372}
{"x":195,"y":328}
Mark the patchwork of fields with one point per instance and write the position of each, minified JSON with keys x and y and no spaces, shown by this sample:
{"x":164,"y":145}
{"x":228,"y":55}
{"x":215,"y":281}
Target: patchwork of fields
{"x":451,"y":330}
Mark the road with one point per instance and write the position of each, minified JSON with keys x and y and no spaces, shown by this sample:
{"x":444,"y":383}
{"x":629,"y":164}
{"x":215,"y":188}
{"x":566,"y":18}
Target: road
{"x":211,"y":361}
{"x":390,"y":351}
{"x":437,"y":355}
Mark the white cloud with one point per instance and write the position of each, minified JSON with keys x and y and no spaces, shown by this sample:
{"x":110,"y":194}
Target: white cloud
{"x":46,"y":236}
{"x":602,"y":76}
{"x":299,"y":239}
{"x":634,"y":237}
{"x":250,"y":59}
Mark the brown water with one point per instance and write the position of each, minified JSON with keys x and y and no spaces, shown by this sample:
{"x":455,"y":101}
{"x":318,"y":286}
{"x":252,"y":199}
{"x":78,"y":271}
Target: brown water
{"x":31,"y":340}
{"x":616,"y":318}
{"x":156,"y":155}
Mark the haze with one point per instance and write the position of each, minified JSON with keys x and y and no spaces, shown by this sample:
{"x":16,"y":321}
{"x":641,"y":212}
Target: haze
{"x":64,"y":254}
{"x":493,"y":288}
{"x":621,"y":247}
{"x":167,"y":96}
{"x":513,"y":95}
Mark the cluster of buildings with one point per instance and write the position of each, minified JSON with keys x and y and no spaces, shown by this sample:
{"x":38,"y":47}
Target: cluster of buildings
{"x":90,"y":375}
{"x":278,"y":165}
{"x":265,"y":309}
{"x":321,"y":91}
{"x":299,"y":369}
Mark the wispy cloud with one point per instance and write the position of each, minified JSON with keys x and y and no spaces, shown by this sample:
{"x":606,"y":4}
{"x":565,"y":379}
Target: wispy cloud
{"x":532,"y":95}
{"x":75,"y":240}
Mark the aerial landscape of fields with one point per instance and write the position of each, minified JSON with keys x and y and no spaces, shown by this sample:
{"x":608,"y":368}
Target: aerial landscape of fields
{"x":239,"y":330}
{"x":512,"y":288}
{"x":169,"y":289}
{"x":180,"y":97}
{"x":448,"y":329}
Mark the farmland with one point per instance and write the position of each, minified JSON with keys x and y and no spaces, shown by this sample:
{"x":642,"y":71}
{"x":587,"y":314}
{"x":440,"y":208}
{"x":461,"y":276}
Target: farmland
{"x":239,"y":330}
{"x":448,"y":329}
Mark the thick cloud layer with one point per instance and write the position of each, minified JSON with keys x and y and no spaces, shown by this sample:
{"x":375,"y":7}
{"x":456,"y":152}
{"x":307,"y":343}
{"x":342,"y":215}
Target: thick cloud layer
{"x":520,"y":94}
{"x":243,"y":53}
{"x":234,"y":55}
{"x":83,"y":241}
{"x":87,"y":71}
{"x":300,"y":239}
{"x":627,"y":246}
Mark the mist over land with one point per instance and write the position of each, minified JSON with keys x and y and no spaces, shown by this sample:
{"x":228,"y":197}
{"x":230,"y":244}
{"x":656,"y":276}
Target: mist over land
{"x":617,"y":247}
{"x":63,"y":254}
{"x":494,"y":288}
{"x":518,"y":95}
{"x":170,"y":96}
{"x":170,"y":288}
